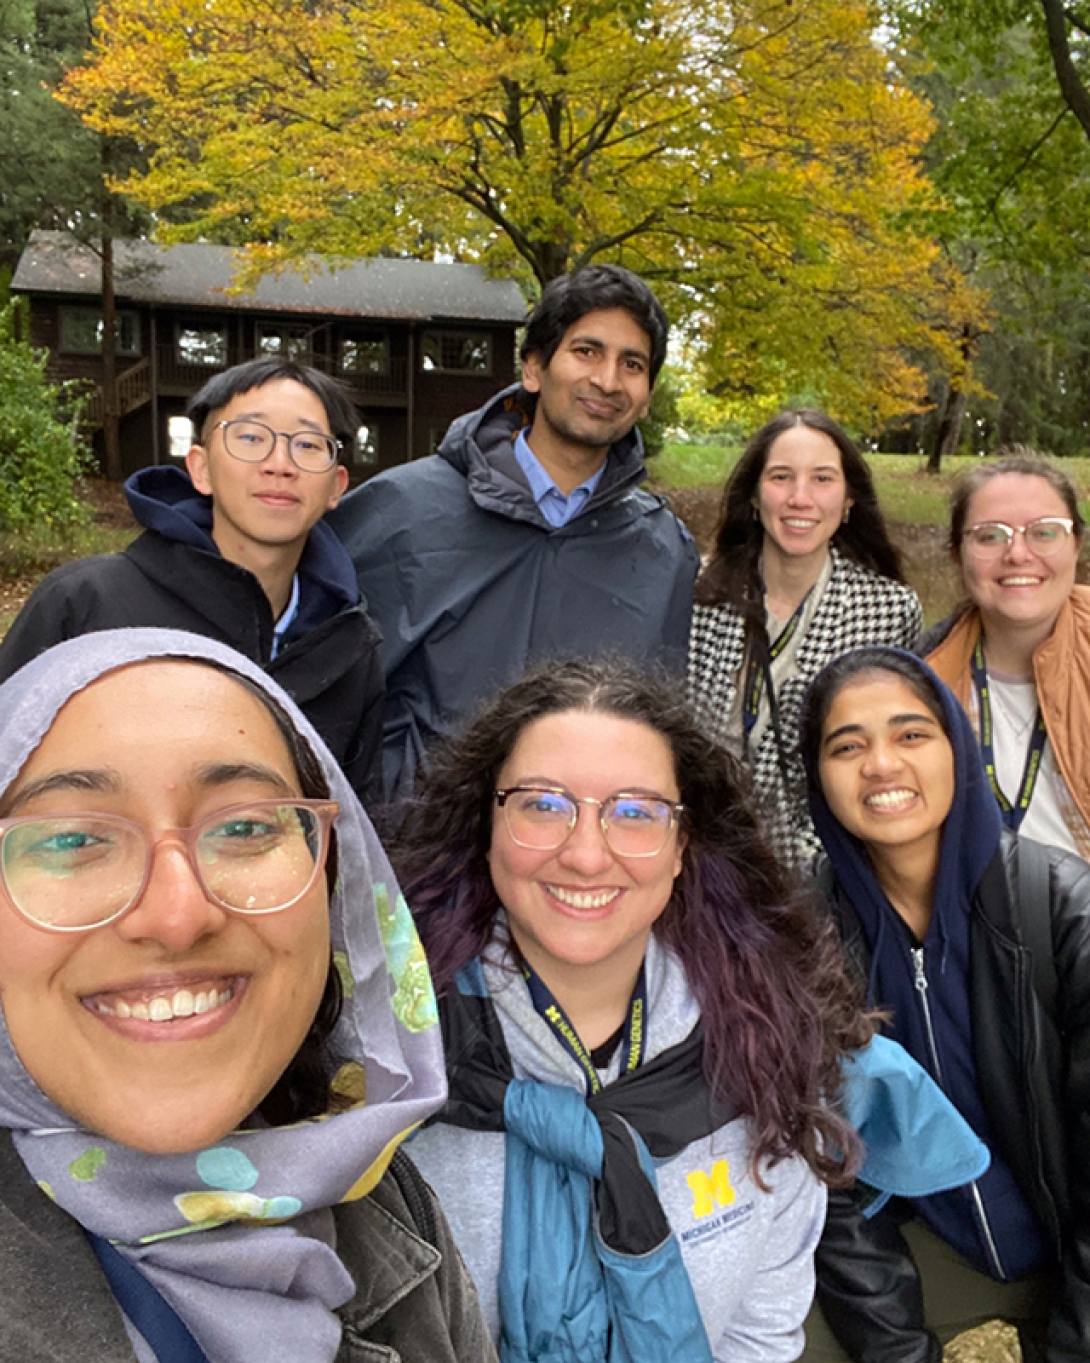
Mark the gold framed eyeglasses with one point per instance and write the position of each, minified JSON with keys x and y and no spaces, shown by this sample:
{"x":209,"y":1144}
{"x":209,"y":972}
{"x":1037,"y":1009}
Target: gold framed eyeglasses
{"x":74,"y":872}
{"x":544,"y":817}
{"x":1045,"y":535}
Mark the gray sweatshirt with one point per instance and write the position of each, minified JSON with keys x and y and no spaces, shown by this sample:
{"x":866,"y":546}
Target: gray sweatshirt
{"x":749,"y":1253}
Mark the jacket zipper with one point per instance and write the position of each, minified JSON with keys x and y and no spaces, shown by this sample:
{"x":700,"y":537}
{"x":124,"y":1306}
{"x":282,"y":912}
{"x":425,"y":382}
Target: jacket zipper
{"x":978,"y":1201}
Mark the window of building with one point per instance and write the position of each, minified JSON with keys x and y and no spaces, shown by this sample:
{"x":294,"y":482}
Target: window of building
{"x":456,"y":352}
{"x":365,"y":449}
{"x":365,"y":352}
{"x":203,"y":345}
{"x":289,"y":343}
{"x":81,"y":332}
{"x":180,"y":436}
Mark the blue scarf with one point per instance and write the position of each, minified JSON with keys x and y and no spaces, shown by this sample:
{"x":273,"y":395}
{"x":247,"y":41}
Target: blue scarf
{"x":590,"y":1267}
{"x":970,"y":839}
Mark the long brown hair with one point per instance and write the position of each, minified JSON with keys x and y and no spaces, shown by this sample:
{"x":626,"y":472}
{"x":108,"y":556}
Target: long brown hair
{"x":779,"y":1009}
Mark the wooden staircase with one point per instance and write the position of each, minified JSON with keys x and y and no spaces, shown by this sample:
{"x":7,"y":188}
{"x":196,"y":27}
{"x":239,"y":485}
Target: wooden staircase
{"x":133,"y":391}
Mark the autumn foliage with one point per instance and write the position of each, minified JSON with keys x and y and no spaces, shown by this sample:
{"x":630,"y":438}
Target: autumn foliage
{"x":758,"y":162}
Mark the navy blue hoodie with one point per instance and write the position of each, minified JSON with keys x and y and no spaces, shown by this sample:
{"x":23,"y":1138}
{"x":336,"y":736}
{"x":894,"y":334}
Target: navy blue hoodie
{"x":970,"y":837}
{"x":174,"y":576}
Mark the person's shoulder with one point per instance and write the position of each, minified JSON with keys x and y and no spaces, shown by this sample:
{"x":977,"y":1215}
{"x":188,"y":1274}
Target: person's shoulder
{"x":1080,"y":606}
{"x":859,"y":575}
{"x":406,"y":480}
{"x":97,"y":568}
{"x":393,"y":500}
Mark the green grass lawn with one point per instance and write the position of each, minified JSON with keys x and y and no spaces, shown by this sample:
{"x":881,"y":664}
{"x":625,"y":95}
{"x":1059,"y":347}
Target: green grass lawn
{"x":906,"y":490}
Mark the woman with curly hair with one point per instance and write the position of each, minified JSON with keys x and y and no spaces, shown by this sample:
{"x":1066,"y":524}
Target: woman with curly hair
{"x":803,"y":570}
{"x":625,"y":977}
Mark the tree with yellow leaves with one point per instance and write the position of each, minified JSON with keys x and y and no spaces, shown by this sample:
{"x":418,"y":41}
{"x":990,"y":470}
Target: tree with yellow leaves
{"x":757,"y":161}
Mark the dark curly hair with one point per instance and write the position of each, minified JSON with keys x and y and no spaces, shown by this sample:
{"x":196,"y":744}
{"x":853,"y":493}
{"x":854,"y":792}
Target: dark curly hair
{"x":778,"y":1007}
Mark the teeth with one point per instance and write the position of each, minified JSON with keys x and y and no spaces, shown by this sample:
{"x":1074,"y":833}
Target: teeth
{"x":583,"y":899}
{"x":890,"y":799}
{"x":182,"y":1004}
{"x":1019,"y":581}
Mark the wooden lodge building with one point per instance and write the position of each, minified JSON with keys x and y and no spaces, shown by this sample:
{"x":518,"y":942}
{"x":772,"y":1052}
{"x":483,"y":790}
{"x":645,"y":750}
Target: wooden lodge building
{"x":415,"y":343}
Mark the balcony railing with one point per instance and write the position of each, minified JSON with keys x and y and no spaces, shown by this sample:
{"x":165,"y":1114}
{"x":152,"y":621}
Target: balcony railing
{"x":178,"y":373}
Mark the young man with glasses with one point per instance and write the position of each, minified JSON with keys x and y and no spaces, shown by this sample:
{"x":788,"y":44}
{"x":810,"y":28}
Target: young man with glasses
{"x":526,"y":536}
{"x":235,"y":548}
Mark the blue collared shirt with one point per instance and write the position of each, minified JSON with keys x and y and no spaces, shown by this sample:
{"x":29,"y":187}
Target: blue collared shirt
{"x":287,"y":617}
{"x":557,"y":509}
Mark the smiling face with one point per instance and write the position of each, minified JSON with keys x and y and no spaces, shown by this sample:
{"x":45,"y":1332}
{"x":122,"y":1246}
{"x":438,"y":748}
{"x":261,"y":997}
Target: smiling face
{"x":885,"y":765}
{"x":1018,"y":588}
{"x":580,"y":905}
{"x":594,"y":389}
{"x":802,"y":494}
{"x":272,"y":505}
{"x":79,"y":1007}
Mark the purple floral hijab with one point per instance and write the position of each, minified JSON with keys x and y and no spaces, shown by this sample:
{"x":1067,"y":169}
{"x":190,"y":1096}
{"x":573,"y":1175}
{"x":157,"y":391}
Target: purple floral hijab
{"x":239,"y":1237}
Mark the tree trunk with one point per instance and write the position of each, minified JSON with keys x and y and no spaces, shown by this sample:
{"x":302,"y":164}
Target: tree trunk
{"x":948,"y":435}
{"x":1075,"y":94}
{"x":110,"y":417}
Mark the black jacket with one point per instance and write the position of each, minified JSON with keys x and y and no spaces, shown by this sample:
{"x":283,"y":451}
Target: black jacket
{"x":469,"y":583}
{"x":1032,"y":1053}
{"x":174,"y":577}
{"x":414,"y":1300}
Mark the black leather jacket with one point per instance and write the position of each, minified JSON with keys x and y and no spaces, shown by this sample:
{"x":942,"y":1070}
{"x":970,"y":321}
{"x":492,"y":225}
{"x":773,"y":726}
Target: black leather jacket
{"x":1033,"y":1060}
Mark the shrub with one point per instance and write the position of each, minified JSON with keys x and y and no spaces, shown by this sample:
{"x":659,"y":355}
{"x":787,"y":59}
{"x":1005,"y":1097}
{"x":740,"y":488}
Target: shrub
{"x":41,"y":454}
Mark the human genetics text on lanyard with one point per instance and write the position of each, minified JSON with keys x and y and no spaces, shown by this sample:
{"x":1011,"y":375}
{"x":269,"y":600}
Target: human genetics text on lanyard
{"x":759,"y":674}
{"x":1012,"y":814}
{"x":633,"y":1038}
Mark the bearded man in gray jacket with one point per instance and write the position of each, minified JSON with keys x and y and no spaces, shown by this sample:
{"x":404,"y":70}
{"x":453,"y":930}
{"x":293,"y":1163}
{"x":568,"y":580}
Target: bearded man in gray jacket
{"x":527,"y":534}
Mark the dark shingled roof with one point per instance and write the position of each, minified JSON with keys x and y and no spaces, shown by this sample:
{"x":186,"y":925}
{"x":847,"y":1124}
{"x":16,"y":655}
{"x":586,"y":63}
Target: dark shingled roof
{"x":199,"y":276}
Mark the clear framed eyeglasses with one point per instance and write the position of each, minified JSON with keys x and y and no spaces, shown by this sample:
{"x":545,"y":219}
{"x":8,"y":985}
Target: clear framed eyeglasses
{"x":74,"y":872}
{"x":253,"y":442}
{"x":1046,"y":535}
{"x":543,"y":817}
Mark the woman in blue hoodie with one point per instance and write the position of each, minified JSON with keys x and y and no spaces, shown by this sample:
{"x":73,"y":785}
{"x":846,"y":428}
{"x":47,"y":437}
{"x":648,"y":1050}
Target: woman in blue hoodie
{"x":978,"y":946}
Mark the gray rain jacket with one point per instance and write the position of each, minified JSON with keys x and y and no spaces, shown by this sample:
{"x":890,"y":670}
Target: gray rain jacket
{"x":469,"y":583}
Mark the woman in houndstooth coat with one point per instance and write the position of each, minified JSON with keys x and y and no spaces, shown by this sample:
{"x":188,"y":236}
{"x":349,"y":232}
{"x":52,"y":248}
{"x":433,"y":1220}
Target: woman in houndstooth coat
{"x":803,"y":570}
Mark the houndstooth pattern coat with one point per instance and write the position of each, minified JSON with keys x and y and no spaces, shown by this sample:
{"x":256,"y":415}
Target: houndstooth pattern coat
{"x":859,"y":607}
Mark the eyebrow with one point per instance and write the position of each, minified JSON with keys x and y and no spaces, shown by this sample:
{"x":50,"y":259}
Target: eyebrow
{"x":100,"y":780}
{"x":548,"y":783}
{"x":910,"y":717}
{"x":264,"y":417}
{"x":817,"y":468}
{"x":216,"y":774}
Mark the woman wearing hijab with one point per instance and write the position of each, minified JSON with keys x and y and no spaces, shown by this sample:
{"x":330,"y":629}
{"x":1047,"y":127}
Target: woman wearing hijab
{"x":803,"y":569}
{"x":977,"y":943}
{"x":642,"y":1020}
{"x":217,"y":1029}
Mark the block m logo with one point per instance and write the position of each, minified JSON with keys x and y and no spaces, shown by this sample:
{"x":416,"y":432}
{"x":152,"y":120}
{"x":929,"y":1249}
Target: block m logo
{"x":710,"y":1190}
